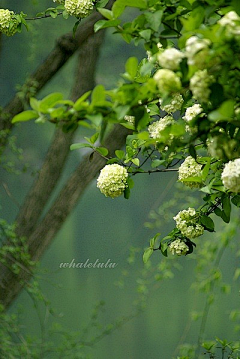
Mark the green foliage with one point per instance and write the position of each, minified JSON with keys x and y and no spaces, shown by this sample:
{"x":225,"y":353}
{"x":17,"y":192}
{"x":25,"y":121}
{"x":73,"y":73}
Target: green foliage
{"x":205,"y":73}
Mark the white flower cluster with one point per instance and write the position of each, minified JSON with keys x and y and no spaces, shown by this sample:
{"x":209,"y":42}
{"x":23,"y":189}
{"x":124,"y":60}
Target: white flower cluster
{"x":199,"y":85}
{"x":231,"y":176}
{"x":190,"y":168}
{"x":178,"y":247}
{"x":130,"y":119}
{"x":170,"y":58}
{"x":187,"y":223}
{"x":231,"y":23}
{"x":174,"y":105}
{"x":167,"y":81}
{"x":6,"y":27}
{"x":79,"y":8}
{"x":222,"y":147}
{"x":157,"y":127}
{"x":192,"y":112}
{"x":112,"y":180}
{"x":196,"y":51}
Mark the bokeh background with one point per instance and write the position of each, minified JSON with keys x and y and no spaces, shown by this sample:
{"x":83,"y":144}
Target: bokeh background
{"x":102,"y":228}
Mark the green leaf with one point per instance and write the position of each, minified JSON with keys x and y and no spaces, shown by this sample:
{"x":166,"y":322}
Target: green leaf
{"x":49,"y":101}
{"x":153,"y":240}
{"x":163,"y":248}
{"x":108,"y":14}
{"x":136,"y":161}
{"x":130,"y":182}
{"x":141,"y":4}
{"x":146,"y":34}
{"x":118,"y":9}
{"x":102,"y":24}
{"x":34,"y":103}
{"x":131,"y":67}
{"x":154,"y":19}
{"x":98,"y":95}
{"x":25,"y":116}
{"x":192,"y":151}
{"x":102,"y":150}
{"x":120,"y":154}
{"x":94,"y":137}
{"x":226,"y":205}
{"x":121,"y":111}
{"x":77,"y":23}
{"x":207,"y":222}
{"x":147,"y":254}
{"x":156,"y":163}
{"x":205,"y":170}
{"x":76,"y":146}
{"x":101,"y":3}
{"x":236,"y":200}
{"x":224,"y":112}
{"x":78,"y":104}
{"x":127,"y":193}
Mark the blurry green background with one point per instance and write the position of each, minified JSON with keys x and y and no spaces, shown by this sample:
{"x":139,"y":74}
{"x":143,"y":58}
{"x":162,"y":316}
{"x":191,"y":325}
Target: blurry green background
{"x":102,"y":228}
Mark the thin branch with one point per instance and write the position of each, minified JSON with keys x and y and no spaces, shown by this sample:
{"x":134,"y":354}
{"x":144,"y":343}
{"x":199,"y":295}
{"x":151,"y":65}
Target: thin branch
{"x":41,"y":17}
{"x":155,"y":171}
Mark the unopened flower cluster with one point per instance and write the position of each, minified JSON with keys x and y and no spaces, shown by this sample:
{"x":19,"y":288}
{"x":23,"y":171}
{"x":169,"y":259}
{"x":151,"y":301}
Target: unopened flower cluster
{"x":167,"y":81}
{"x":79,"y":8}
{"x":199,"y":85}
{"x":156,"y":128}
{"x":174,"y":105}
{"x":231,"y":176}
{"x":190,"y":168}
{"x":178,"y":247}
{"x":196,"y":51}
{"x":231,"y":23}
{"x":190,"y":114}
{"x":187,"y":223}
{"x":8,"y":25}
{"x":223,"y":147}
{"x":112,"y":180}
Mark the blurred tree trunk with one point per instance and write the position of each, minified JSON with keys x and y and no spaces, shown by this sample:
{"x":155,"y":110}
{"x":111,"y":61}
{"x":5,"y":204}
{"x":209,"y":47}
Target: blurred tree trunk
{"x":39,"y":232}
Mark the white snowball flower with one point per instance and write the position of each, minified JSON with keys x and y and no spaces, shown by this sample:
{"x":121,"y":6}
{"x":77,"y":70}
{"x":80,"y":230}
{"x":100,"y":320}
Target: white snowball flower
{"x":167,"y":81}
{"x":192,"y":112}
{"x":196,"y":51}
{"x":79,"y":8}
{"x":174,"y":105}
{"x":170,"y":58}
{"x":231,"y":176}
{"x":112,"y":180}
{"x":231,"y":23}
{"x":199,"y":85}
{"x":190,"y":168}
{"x":157,"y":127}
{"x":178,"y":247}
{"x":187,"y":223}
